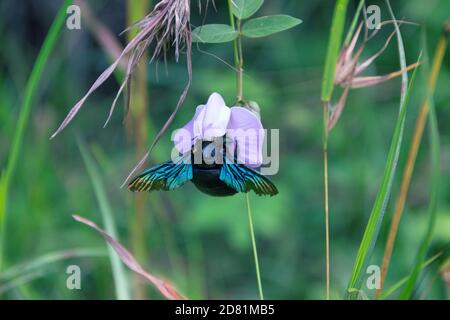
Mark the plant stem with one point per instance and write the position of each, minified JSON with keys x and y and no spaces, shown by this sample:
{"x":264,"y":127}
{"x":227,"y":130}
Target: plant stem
{"x":239,"y":64}
{"x":30,"y":92}
{"x":255,"y":252}
{"x":325,"y":176}
{"x":412,"y":155}
{"x":137,"y":130}
{"x":238,"y":55}
{"x":334,"y":44}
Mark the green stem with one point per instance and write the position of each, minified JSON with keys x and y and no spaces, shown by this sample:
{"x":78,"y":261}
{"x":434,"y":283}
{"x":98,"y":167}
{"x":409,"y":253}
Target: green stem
{"x":240,"y":66}
{"x":325,"y":176}
{"x":255,"y":252}
{"x":30,"y":92}
{"x":239,"y":63}
{"x":238,"y":56}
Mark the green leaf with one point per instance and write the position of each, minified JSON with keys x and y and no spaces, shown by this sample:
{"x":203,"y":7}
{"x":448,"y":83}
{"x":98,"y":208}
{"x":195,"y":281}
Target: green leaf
{"x":376,"y":216}
{"x":401,"y":282}
{"x":352,"y":28}
{"x":119,"y":275}
{"x":31,"y":89}
{"x":214,"y":33}
{"x":48,"y":259}
{"x":264,"y":26}
{"x":334,"y":44}
{"x":244,"y":9}
{"x":435,"y":176}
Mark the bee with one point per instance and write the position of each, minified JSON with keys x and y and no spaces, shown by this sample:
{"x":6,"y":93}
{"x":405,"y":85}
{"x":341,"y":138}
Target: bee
{"x":209,"y":168}
{"x":219,"y":151}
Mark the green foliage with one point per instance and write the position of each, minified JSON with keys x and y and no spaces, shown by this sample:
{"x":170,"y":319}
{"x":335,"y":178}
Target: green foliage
{"x":434,"y":193}
{"x":265,"y":26}
{"x":376,"y":216}
{"x":214,"y":33}
{"x":334,"y":45}
{"x":389,"y":291}
{"x":44,"y":261}
{"x":243,"y":9}
{"x":120,"y":278}
{"x":30,"y":92}
{"x":209,"y":236}
{"x":254,"y":28}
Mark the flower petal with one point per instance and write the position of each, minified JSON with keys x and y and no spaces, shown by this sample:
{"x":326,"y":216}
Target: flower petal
{"x":184,"y":138}
{"x":246,"y":130}
{"x":216,"y":118}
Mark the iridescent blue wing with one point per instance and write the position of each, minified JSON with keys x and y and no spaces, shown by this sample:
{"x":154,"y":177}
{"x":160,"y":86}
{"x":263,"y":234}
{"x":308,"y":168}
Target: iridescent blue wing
{"x":243,"y":179}
{"x":166,"y":176}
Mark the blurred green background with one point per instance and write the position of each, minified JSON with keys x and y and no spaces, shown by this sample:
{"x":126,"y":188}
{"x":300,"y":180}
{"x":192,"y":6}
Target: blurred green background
{"x":201,"y":243}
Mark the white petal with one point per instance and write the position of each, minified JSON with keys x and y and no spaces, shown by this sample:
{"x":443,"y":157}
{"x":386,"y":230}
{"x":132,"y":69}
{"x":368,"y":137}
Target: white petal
{"x":216,"y":118}
{"x":185,"y":137}
{"x":247,"y":131}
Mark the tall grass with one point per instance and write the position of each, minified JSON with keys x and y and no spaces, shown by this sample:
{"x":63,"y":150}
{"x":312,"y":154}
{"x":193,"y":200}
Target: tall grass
{"x":412,"y":155}
{"x":120,"y":278}
{"x":137,"y":131}
{"x":15,"y":275}
{"x":24,"y":115}
{"x":334,"y":45}
{"x":435,"y":186}
{"x":377,"y":214}
{"x":399,"y":284}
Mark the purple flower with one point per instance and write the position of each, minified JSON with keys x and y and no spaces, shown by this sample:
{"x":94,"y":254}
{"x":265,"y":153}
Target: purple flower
{"x":241,"y":127}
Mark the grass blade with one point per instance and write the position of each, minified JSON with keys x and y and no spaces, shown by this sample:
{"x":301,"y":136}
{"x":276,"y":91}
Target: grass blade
{"x":47,"y":259}
{"x":120,"y":279}
{"x":388,"y":292}
{"x":164,"y":287}
{"x":137,"y":130}
{"x":25,"y":109}
{"x":376,"y":216}
{"x":434,"y":196}
{"x":412,"y":155}
{"x":334,"y":45}
{"x":352,"y":28}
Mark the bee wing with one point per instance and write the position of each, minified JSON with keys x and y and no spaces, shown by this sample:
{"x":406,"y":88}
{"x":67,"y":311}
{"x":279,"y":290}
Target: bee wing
{"x":243,"y":179}
{"x":166,"y":176}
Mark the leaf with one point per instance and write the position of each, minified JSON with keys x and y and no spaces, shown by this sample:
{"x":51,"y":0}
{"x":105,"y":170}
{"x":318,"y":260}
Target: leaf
{"x":166,"y":289}
{"x":388,"y":292}
{"x":214,"y":33}
{"x":334,"y":44}
{"x":45,"y":260}
{"x":379,"y":208}
{"x":265,"y":26}
{"x":435,"y":175}
{"x":31,"y":89}
{"x":244,"y":9}
{"x":120,"y":279}
{"x":352,"y":28}
{"x":376,"y":216}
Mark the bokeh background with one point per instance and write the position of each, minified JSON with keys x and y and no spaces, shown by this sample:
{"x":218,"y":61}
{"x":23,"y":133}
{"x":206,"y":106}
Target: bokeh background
{"x":201,"y":243}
